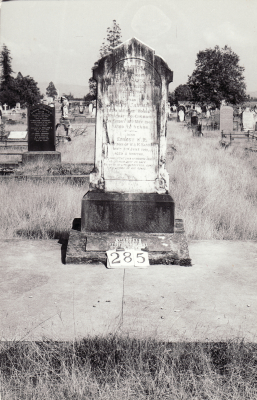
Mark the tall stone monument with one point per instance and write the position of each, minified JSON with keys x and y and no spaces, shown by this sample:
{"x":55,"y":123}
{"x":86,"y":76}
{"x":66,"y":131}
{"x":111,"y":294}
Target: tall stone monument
{"x":129,"y":186}
{"x":41,"y":135}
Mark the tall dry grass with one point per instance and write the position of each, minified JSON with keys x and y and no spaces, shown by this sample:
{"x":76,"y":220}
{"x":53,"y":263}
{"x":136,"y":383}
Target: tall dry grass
{"x":215,"y":190}
{"x":38,"y":209}
{"x":115,"y":368}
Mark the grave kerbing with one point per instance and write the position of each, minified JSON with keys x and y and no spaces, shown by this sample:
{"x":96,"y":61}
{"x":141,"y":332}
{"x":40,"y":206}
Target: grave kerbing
{"x":129,"y":185}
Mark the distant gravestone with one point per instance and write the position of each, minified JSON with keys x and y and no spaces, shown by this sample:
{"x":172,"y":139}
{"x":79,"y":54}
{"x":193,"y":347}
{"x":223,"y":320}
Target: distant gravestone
{"x":226,"y":119}
{"x":41,"y":128}
{"x":41,"y":135}
{"x":194,"y":119}
{"x":217,"y":118}
{"x":248,"y":120}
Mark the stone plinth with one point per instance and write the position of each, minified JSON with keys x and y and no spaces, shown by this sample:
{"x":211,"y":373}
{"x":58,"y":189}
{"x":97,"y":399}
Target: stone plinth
{"x":91,"y":247}
{"x":127,"y":212}
{"x":45,"y":156}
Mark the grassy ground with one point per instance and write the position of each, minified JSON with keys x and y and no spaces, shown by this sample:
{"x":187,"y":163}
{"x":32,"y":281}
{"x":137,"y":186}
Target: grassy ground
{"x":123,"y":368}
{"x":214,"y":189}
{"x":38,"y":209}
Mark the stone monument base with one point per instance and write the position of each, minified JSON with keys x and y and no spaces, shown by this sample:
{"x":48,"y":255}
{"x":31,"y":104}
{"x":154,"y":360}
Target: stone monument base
{"x":45,"y":156}
{"x":163,"y":248}
{"x":127,"y":212}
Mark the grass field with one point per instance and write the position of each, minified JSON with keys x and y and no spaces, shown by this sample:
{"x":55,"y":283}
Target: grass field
{"x":115,"y":368}
{"x":214,"y":189}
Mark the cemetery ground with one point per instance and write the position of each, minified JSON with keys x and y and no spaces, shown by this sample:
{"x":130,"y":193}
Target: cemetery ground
{"x":214,"y":193}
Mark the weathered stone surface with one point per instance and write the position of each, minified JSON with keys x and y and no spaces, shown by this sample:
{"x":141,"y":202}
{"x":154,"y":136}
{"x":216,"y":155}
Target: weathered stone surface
{"x":226,"y":119}
{"x":91,"y":247}
{"x":129,"y":212}
{"x":41,"y":128}
{"x":132,"y":98}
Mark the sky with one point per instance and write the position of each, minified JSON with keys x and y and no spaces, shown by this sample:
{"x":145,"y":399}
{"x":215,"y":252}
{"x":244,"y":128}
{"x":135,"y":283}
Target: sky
{"x":59,"y":41}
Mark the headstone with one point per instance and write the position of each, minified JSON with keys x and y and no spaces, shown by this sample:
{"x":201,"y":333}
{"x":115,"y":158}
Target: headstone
{"x":81,"y":109}
{"x":217,"y":117}
{"x":248,"y":120}
{"x":181,"y":115}
{"x":5,"y":107}
{"x":41,"y":134}
{"x":130,"y":130}
{"x":226,"y":119}
{"x":129,"y":185}
{"x":41,"y":128}
{"x":194,"y":119}
{"x":18,"y":106}
{"x":90,"y":108}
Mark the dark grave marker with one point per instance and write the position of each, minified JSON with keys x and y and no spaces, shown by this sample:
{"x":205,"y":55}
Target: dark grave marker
{"x":41,"y":128}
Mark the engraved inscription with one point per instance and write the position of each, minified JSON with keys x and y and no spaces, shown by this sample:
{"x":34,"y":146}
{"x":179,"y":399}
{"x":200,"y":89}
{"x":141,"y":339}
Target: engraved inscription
{"x":42,"y":128}
{"x":130,"y":120}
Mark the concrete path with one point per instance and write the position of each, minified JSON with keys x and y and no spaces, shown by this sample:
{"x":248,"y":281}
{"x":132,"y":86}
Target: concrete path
{"x":215,"y":299}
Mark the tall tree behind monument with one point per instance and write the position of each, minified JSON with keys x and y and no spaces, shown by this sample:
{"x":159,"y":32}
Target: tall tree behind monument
{"x":5,"y":62}
{"x":218,"y":76}
{"x":110,"y":42}
{"x":51,"y":90}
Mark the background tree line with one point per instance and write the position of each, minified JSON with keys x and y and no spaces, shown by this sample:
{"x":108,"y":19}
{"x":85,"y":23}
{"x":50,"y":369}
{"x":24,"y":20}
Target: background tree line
{"x":217,"y":76}
{"x":22,"y":89}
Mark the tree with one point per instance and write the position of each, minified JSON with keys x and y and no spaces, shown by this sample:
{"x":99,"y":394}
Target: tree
{"x":21,"y":89}
{"x":112,"y":40}
{"x":5,"y":62}
{"x":217,"y":77}
{"x":182,"y":93}
{"x":27,"y":91}
{"x":51,"y":90}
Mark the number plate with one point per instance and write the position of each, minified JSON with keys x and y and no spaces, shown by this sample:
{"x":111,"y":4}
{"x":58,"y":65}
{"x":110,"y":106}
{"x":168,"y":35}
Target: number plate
{"x":120,"y":259}
{"x":127,"y":258}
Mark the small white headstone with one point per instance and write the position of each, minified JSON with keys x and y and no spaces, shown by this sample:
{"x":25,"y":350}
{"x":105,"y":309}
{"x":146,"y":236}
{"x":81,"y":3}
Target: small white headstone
{"x":18,"y":135}
{"x":248,"y":120}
